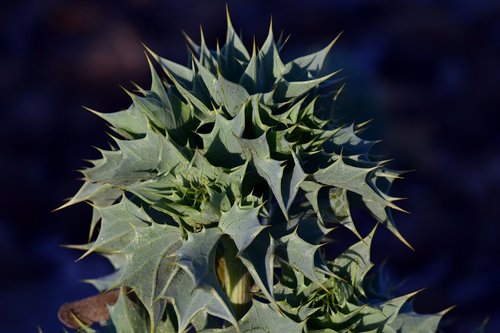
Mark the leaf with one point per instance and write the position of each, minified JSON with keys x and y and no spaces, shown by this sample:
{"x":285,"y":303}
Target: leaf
{"x":200,"y":110}
{"x":382,"y":315}
{"x":354,"y":263}
{"x":137,"y":160}
{"x":301,"y":68}
{"x":234,"y":45}
{"x":258,"y":112}
{"x":334,"y":207}
{"x":291,"y":115}
{"x":150,"y":260}
{"x":291,"y":182}
{"x":278,"y":142}
{"x":231,"y":95}
{"x":262,"y":318}
{"x":111,"y":280}
{"x":300,"y":255}
{"x":384,"y":215}
{"x":311,"y":230}
{"x":206,"y":56}
{"x":270,"y":66}
{"x":269,"y":169}
{"x":384,"y":179}
{"x":180,"y":73}
{"x":107,"y":199}
{"x":158,"y":111}
{"x":249,"y":77}
{"x":234,"y":53}
{"x":311,"y":190}
{"x":224,"y":92}
{"x":258,"y":257}
{"x":197,"y":257}
{"x":392,"y":307}
{"x":188,"y":300}
{"x":286,"y":90}
{"x":91,"y":191}
{"x":133,"y":120}
{"x":291,"y":304}
{"x":346,"y":141}
{"x":412,"y":322}
{"x":355,"y":179}
{"x":127,"y":317}
{"x":167,"y":325}
{"x":241,"y":224}
{"x":221,"y":144}
{"x":118,"y":226}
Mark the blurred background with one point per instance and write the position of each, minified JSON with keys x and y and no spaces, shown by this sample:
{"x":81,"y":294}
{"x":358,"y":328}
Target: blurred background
{"x":426,"y":72}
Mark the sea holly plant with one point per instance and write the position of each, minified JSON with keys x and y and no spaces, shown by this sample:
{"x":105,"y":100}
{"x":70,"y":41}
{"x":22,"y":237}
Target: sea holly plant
{"x":225,"y":179}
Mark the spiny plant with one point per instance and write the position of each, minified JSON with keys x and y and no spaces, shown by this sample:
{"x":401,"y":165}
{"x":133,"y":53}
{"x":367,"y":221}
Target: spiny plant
{"x":225,"y":179}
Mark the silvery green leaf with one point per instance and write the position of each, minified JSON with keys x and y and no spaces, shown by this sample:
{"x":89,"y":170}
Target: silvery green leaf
{"x":258,"y":257}
{"x":249,"y":77}
{"x":206,"y":56}
{"x":106,"y":199}
{"x":270,"y":66}
{"x":143,"y":158}
{"x":133,"y":120}
{"x":291,"y":116}
{"x":200,"y":110}
{"x":234,"y":53}
{"x":180,"y":73}
{"x":197,"y":256}
{"x":334,"y":207}
{"x":229,"y":94}
{"x":384,"y":215}
{"x":269,"y":169}
{"x":411,"y":322}
{"x":242,"y":224}
{"x":149,"y":263}
{"x":298,"y":69}
{"x":189,"y":300}
{"x":311,"y":230}
{"x":355,"y":262}
{"x":279,"y":143}
{"x":352,"y":178}
{"x":392,"y":307}
{"x":118,"y":225}
{"x":263,"y":318}
{"x":300,"y":255}
{"x":382,"y":315}
{"x":286,"y":90}
{"x":383,"y":179}
{"x":158,"y":111}
{"x":128,"y":317}
{"x":91,"y":191}
{"x":346,"y":140}
{"x":291,"y":182}
{"x":167,"y":326}
{"x":311,"y":189}
{"x":221,"y":144}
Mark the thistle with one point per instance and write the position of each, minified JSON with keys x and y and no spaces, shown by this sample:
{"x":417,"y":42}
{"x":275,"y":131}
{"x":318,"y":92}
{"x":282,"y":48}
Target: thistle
{"x":225,"y":179}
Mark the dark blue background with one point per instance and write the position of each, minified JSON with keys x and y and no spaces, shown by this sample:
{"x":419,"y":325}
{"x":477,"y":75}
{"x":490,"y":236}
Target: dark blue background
{"x":427,"y":72}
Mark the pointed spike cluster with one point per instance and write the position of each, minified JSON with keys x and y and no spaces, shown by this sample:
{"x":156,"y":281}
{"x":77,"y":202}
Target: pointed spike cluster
{"x":237,"y":148}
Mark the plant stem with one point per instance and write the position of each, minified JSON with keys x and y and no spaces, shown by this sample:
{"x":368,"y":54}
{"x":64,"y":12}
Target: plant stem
{"x":234,"y":278}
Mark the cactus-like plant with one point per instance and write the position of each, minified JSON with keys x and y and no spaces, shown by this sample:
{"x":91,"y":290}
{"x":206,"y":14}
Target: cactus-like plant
{"x":224,"y":182}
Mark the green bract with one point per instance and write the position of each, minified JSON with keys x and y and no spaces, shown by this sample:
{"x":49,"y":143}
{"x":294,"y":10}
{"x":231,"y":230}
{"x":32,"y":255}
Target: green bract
{"x":222,"y":186}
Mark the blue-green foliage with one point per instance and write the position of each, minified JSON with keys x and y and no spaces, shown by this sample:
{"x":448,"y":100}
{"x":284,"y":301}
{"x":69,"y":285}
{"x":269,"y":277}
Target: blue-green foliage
{"x":238,"y":145}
